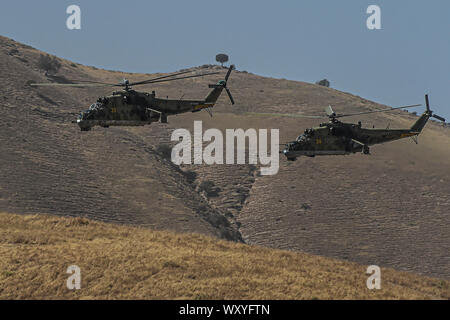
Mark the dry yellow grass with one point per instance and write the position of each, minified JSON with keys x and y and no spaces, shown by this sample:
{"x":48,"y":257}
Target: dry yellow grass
{"x":121,"y":262}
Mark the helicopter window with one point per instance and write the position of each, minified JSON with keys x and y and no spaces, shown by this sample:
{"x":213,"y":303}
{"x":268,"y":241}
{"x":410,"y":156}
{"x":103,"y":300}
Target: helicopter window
{"x":308,"y":133}
{"x":95,"y":106}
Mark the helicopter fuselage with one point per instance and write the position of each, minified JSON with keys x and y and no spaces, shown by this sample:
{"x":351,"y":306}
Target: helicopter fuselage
{"x":132,"y":108}
{"x":338,"y":138}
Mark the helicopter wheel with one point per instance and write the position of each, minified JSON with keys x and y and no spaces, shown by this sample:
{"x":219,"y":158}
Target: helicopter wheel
{"x":366,"y":149}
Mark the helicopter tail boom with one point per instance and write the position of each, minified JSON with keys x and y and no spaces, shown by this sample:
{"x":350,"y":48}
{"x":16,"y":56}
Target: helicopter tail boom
{"x":422,"y":121}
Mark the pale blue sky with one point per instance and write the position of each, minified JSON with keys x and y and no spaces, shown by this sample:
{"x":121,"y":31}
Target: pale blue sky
{"x":300,"y":40}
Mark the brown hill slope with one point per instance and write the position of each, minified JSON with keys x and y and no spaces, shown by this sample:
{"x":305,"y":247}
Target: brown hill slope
{"x":119,"y":262}
{"x":390,"y":208}
{"x":47,"y":165}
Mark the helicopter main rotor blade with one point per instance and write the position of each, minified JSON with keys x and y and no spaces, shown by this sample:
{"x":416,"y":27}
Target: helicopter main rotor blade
{"x":72,"y":81}
{"x":367,"y":112}
{"x":229,"y":72}
{"x":162,"y":77}
{"x":89,"y":83}
{"x":291,"y":115}
{"x":79,"y":85}
{"x":329,"y":111}
{"x":180,"y":78}
{"x":229,"y":95}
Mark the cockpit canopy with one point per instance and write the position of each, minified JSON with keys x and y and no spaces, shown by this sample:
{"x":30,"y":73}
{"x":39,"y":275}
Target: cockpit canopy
{"x":96,"y":106}
{"x":87,"y":114}
{"x":304,"y":137}
{"x":309,"y":132}
{"x":102,"y":100}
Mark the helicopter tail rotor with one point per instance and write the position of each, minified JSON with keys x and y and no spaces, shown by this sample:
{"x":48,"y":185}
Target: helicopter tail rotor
{"x":223,"y":84}
{"x":431,"y":114}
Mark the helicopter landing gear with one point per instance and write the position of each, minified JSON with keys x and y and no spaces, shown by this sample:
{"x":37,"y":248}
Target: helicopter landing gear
{"x":366,"y":149}
{"x":163,"y":118}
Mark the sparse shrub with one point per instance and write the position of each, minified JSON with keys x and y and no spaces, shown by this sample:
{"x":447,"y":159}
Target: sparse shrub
{"x":78,"y":221}
{"x":49,"y":63}
{"x":171,"y":264}
{"x":22,"y":59}
{"x":305,"y":206}
{"x":206,"y":186}
{"x":164,"y":150}
{"x":324,"y":83}
{"x":241,"y":194}
{"x":190,"y":176}
{"x":209,"y":188}
{"x":7,"y":273}
{"x":13,"y":52}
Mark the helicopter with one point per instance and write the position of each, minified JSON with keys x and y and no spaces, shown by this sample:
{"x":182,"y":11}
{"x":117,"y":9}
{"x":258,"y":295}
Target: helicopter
{"x":132,"y":108}
{"x":339,"y":138}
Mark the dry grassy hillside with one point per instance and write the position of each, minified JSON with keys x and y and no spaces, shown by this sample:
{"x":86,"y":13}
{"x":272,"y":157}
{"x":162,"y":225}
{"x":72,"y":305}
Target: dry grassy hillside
{"x":135,"y":263}
{"x":391,"y":208}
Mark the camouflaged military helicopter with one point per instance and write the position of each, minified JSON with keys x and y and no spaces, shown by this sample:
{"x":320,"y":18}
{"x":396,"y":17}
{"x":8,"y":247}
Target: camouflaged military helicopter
{"x":339,"y":138}
{"x":133,"y":108}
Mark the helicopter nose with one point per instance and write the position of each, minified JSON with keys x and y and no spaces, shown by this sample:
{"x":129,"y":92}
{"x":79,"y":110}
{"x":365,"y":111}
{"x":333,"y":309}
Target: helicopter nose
{"x":289,"y":155}
{"x":286,"y":151}
{"x":84,"y":125}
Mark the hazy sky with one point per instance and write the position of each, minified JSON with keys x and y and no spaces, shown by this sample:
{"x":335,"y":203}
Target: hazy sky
{"x":300,"y":40}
